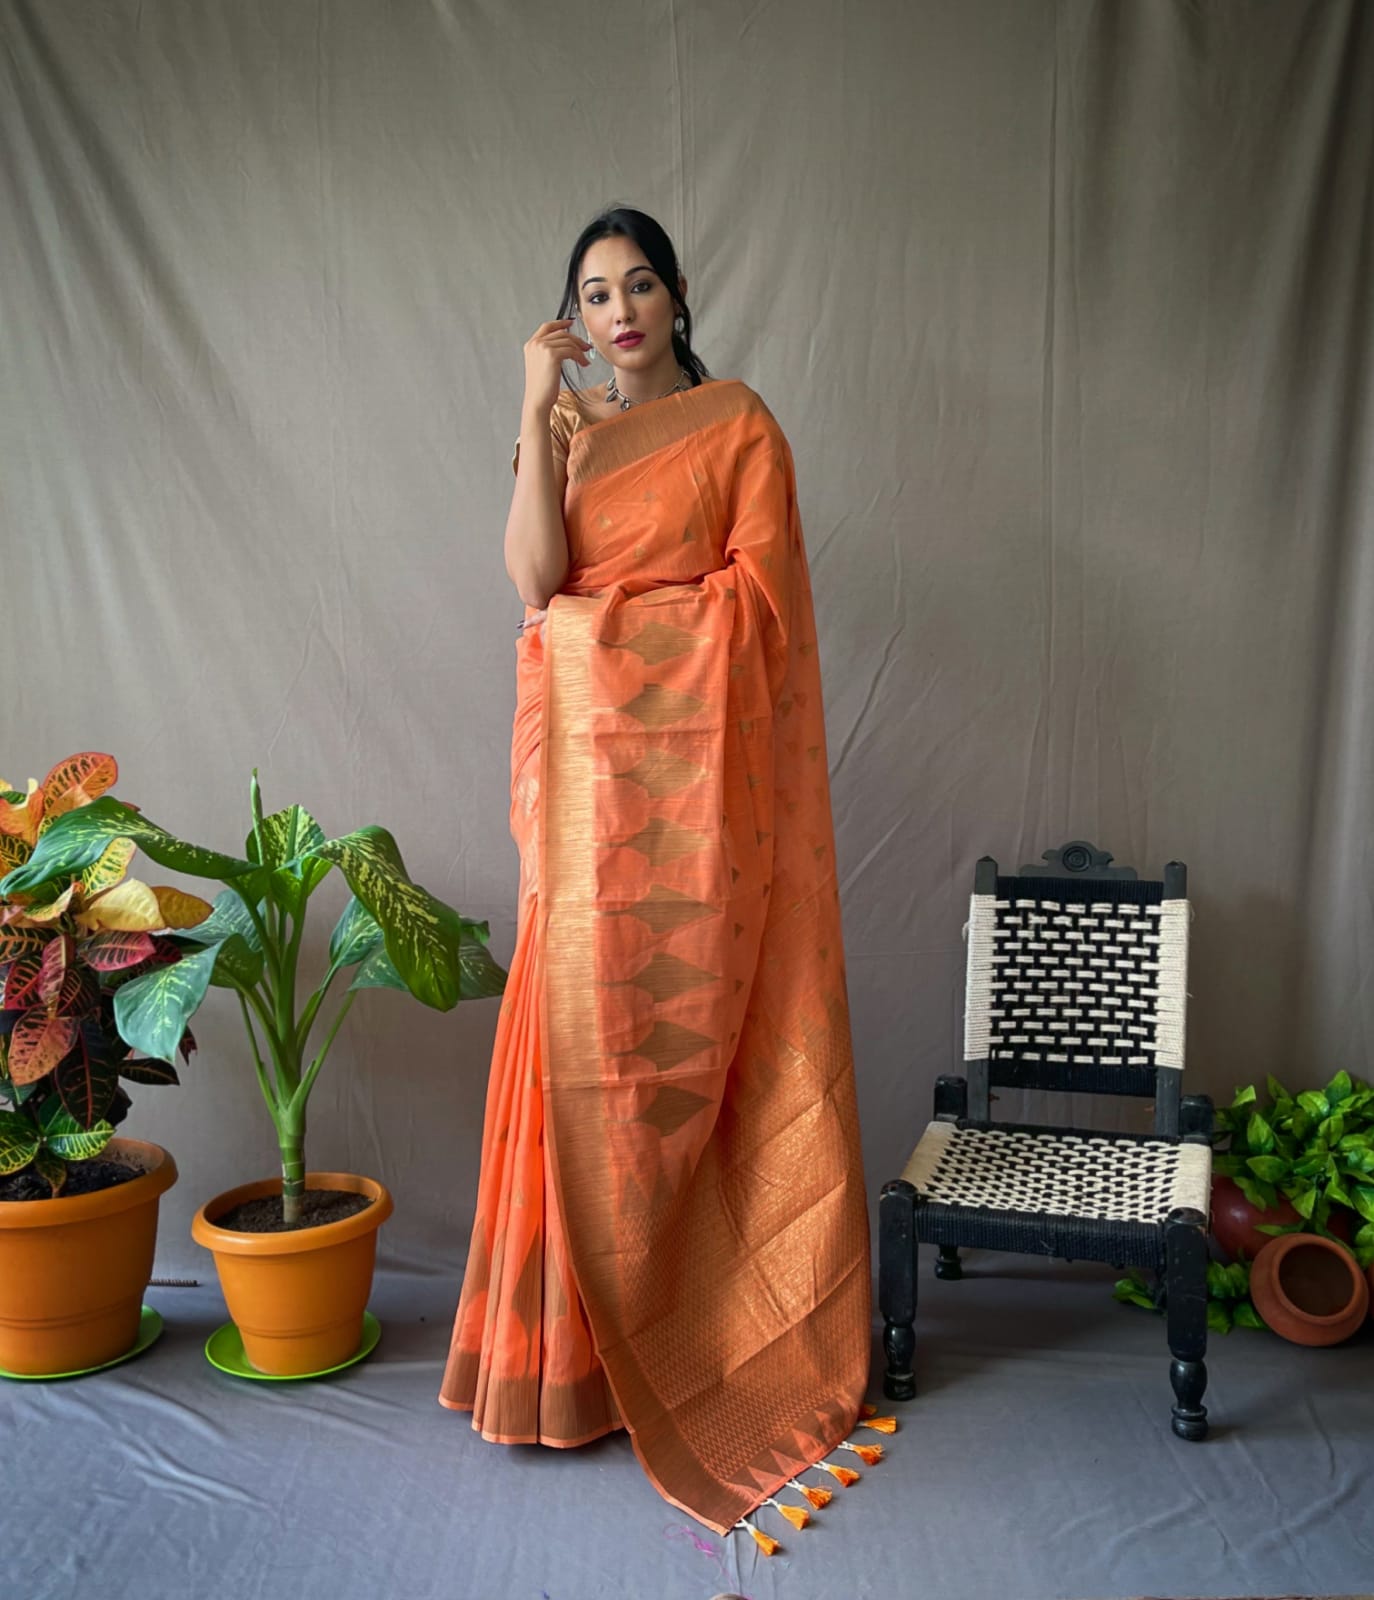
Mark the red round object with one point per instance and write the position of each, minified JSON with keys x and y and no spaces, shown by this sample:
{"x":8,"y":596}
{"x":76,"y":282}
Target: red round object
{"x":1234,"y":1220}
{"x":1309,"y":1289}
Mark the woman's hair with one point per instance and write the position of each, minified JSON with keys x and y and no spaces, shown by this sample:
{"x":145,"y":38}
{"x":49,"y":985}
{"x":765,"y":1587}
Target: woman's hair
{"x":624,"y":222}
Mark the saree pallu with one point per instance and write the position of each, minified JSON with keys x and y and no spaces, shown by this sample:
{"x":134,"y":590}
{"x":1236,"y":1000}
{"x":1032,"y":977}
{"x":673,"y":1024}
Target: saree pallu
{"x":671,"y":1228}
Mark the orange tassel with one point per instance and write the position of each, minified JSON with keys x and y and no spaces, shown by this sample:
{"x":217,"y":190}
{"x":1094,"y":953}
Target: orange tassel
{"x":880,"y":1424}
{"x":794,"y":1514}
{"x":869,"y":1454}
{"x":820,"y":1498}
{"x":846,"y":1477}
{"x":770,"y":1547}
{"x":868,"y":1411}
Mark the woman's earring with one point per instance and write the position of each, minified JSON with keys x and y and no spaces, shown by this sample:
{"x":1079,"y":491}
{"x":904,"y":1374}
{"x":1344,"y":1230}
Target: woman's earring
{"x":679,"y":324}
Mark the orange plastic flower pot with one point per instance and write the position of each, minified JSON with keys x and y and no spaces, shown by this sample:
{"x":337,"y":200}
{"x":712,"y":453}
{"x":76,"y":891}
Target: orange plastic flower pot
{"x":73,"y":1271}
{"x":297,"y":1298}
{"x":1309,"y":1289}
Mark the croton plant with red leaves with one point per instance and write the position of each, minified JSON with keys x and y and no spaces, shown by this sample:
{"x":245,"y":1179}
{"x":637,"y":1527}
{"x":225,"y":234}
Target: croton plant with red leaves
{"x":66,"y":947}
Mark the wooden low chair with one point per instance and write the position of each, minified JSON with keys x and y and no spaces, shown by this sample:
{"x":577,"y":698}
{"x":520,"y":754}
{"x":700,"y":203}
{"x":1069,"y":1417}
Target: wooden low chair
{"x":1077,"y":981}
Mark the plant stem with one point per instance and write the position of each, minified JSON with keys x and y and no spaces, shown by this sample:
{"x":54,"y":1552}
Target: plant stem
{"x":308,"y":1082}
{"x":263,"y":1083}
{"x":291,"y":1138}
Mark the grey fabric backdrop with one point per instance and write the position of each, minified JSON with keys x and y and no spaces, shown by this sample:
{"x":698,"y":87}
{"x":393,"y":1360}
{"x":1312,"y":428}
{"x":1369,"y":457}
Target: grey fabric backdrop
{"x":1064,"y":307}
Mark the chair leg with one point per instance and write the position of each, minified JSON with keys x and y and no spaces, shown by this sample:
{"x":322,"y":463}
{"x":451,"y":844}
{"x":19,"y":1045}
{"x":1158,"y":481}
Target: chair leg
{"x":1185,"y":1270}
{"x":947,"y":1263}
{"x":897,"y":1247}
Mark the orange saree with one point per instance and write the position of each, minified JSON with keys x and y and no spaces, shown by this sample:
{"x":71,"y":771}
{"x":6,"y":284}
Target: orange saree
{"x":671,"y":1229}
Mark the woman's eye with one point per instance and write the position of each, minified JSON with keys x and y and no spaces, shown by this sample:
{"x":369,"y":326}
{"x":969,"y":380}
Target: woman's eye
{"x":644,"y":284}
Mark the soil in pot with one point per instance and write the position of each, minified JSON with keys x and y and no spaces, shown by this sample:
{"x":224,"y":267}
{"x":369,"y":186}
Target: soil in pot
{"x":318,"y":1206}
{"x":83,"y":1177}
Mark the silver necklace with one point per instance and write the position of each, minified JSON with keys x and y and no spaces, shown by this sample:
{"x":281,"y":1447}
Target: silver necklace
{"x":612,"y":393}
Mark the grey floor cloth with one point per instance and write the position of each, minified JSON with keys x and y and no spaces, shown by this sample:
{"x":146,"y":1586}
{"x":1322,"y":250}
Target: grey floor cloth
{"x":1037,"y":1462}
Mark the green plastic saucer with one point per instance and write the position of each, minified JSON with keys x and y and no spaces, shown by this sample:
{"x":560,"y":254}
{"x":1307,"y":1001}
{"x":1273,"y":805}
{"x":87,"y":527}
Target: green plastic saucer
{"x":149,"y":1327}
{"x":224,"y":1349}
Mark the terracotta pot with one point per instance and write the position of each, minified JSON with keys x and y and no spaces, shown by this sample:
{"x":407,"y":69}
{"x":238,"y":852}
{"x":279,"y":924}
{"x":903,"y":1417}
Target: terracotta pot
{"x":73,"y":1271}
{"x":1309,"y":1289}
{"x":297,"y":1298}
{"x":1234,"y":1221}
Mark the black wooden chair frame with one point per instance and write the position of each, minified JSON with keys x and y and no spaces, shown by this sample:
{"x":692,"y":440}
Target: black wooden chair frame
{"x":1176,"y":1247}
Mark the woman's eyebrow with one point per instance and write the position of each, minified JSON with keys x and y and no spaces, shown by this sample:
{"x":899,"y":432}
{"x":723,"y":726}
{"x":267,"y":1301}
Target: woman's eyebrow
{"x":629,"y":274}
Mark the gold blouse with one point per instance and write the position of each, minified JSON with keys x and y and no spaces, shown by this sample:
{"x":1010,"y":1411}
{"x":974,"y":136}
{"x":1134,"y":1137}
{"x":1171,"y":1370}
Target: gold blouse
{"x":566,"y":418}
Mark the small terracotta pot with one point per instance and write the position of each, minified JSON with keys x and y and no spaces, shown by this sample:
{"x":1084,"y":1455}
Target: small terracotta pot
{"x":1309,"y":1289}
{"x":73,"y":1271}
{"x":297,"y":1298}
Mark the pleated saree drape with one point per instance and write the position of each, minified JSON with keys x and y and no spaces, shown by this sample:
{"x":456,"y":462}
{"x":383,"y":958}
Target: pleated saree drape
{"x":671,"y":1229}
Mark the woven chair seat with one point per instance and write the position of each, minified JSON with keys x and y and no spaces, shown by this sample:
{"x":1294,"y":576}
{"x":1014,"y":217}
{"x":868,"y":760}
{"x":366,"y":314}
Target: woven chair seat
{"x":1091,"y":1176}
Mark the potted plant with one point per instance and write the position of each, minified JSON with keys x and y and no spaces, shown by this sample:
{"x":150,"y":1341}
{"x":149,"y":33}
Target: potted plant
{"x":1296,"y":1163}
{"x":296,"y":1282}
{"x":78,"y":1206}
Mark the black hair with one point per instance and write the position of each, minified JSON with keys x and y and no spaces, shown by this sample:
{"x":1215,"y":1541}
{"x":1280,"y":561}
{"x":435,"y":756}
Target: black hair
{"x":627,"y":223}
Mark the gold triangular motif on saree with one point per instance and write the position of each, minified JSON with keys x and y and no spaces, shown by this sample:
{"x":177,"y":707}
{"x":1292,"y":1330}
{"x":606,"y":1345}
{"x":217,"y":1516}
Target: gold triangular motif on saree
{"x":657,"y":707}
{"x":527,"y":1302}
{"x":658,"y":641}
{"x":664,"y":909}
{"x":660,"y":773}
{"x":667,"y":1045}
{"x":671,"y":1107}
{"x":667,"y":976}
{"x":662,"y":841}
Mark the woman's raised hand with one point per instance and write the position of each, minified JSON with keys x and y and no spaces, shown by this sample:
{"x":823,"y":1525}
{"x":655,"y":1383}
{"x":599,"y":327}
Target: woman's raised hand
{"x":547,"y":348}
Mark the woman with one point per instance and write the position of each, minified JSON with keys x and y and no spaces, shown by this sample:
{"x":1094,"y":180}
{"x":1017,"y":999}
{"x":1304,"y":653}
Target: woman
{"x":671,"y":1230}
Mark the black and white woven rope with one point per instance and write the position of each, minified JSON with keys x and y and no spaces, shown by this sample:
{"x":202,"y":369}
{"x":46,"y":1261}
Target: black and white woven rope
{"x":1077,"y":982}
{"x":1073,"y":1175}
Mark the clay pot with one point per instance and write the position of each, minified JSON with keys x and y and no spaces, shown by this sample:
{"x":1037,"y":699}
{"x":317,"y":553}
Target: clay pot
{"x":1309,"y":1289}
{"x":1234,"y":1221}
{"x":73,"y":1271}
{"x":297,"y":1298}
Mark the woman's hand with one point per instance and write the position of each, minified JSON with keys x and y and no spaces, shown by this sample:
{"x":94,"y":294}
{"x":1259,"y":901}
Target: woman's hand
{"x":547,"y":348}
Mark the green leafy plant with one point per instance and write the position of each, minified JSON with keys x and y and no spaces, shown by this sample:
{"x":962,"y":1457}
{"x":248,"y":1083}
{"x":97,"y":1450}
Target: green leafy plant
{"x":392,"y":934}
{"x":67,"y":944}
{"x":1315,"y":1148}
{"x":1228,"y":1295}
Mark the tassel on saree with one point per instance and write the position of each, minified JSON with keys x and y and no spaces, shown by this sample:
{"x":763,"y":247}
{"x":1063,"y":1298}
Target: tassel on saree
{"x":794,"y":1514}
{"x":846,"y":1477}
{"x":869,"y":1454}
{"x":769,"y":1546}
{"x":820,"y":1498}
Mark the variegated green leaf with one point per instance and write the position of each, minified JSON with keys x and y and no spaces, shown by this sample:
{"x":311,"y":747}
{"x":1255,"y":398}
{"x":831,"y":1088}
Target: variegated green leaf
{"x":293,"y":884}
{"x":19,"y":1142}
{"x":51,"y":1168}
{"x":285,"y":835}
{"x":228,"y":916}
{"x":356,"y":935}
{"x":377,"y":972}
{"x":80,"y":837}
{"x":289,"y":839}
{"x":152,"y":1011}
{"x":422,"y":934}
{"x":238,"y":965}
{"x":65,"y":1136}
{"x":483,"y":977}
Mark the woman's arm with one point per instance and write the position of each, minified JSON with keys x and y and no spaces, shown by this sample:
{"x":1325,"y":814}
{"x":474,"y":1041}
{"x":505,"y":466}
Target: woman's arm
{"x":536,"y":540}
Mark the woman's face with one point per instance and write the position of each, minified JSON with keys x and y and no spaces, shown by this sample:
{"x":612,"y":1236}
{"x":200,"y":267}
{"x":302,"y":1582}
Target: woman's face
{"x":625,"y":305}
